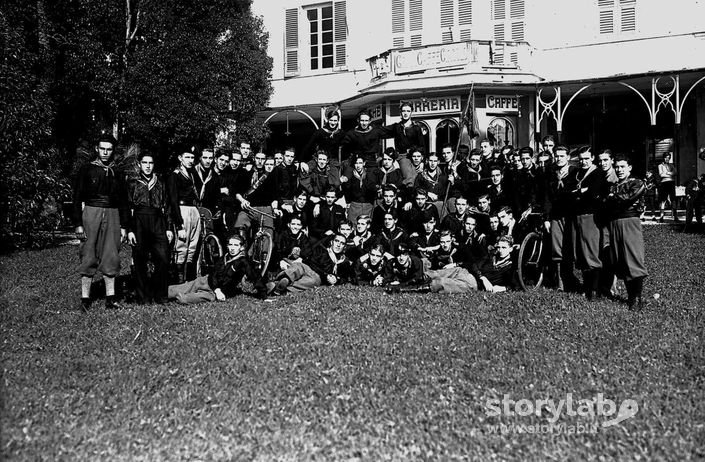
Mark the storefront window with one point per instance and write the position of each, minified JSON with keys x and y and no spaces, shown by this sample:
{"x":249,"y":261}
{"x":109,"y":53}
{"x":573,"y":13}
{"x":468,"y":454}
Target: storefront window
{"x":501,"y":131}
{"x":447,"y":131}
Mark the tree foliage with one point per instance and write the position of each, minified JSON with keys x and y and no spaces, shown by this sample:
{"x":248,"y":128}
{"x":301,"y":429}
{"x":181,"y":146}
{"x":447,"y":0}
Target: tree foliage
{"x":163,"y":71}
{"x":31,"y":185}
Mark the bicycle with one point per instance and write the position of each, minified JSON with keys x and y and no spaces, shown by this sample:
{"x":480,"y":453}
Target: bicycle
{"x":209,"y":248}
{"x":260,"y":251}
{"x":532,"y":262}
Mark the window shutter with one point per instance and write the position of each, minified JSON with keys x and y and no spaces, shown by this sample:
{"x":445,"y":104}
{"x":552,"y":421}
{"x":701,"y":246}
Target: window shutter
{"x":340,"y":34}
{"x":628,"y":18}
{"x":516,"y":9}
{"x":465,"y":18}
{"x":291,"y":42}
{"x":447,"y":20}
{"x":499,"y":9}
{"x":398,"y":23}
{"x":516,"y":12}
{"x":415,"y":15}
{"x":606,"y":21}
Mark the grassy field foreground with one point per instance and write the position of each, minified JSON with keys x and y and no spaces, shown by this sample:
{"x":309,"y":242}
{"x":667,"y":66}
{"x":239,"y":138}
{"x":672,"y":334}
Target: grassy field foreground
{"x":351,"y":374}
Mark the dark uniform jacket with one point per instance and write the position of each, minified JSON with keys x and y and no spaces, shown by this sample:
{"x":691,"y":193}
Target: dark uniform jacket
{"x":97,"y":185}
{"x":406,"y":275}
{"x":625,"y":199}
{"x":149,"y":194}
{"x":321,"y":262}
{"x":229,"y":272}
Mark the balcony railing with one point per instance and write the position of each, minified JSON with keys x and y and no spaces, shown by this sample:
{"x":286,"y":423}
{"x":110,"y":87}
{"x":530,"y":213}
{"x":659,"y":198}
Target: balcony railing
{"x":468,"y":56}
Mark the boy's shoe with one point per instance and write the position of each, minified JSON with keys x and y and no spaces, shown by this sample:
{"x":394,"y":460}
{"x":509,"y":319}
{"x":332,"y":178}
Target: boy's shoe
{"x":270,"y":288}
{"x":85,"y":304}
{"x":282,"y":284}
{"x":112,"y":304}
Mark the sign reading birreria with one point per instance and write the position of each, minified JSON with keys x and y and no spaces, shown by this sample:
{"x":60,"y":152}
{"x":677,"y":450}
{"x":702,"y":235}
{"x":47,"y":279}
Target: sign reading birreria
{"x":502,"y":103}
{"x":437,"y":105}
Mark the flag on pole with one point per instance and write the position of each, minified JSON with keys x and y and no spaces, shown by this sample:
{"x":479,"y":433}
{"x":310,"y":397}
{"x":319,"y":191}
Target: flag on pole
{"x":470,"y":117}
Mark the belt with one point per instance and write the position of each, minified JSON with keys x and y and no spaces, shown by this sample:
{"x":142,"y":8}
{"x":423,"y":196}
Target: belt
{"x":188,"y":203}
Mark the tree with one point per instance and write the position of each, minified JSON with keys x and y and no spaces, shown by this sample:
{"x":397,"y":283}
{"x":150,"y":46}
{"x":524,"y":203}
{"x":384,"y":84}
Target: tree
{"x":32,"y":185}
{"x":168,"y":71}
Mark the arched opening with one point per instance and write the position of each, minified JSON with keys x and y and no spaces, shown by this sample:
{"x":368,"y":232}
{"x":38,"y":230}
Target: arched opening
{"x":447,"y":131}
{"x":501,"y":131}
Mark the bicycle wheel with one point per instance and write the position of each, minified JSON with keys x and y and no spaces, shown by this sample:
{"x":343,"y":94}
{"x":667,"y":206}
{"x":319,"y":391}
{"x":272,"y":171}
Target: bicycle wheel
{"x":530,"y":265}
{"x":262,"y":251}
{"x":211,"y":251}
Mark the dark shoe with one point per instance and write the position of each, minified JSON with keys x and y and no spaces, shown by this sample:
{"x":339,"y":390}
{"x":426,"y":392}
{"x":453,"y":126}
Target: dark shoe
{"x":85,"y":304}
{"x":281,"y":286}
{"x":420,"y":289}
{"x":395,"y":289}
{"x":636,"y":304}
{"x":112,"y":304}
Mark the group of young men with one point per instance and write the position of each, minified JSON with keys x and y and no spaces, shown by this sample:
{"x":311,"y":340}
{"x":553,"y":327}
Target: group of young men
{"x":345,"y":212}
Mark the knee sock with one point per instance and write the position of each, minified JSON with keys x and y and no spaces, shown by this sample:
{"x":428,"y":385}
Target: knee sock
{"x":86,"y":286}
{"x":109,"y":286}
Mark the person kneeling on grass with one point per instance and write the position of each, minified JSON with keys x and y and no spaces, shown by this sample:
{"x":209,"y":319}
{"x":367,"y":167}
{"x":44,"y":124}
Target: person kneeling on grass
{"x":326,"y":265}
{"x":223,"y":282}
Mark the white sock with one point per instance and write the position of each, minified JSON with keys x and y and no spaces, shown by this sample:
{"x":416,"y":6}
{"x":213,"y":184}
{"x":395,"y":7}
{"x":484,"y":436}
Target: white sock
{"x":109,"y":286}
{"x":86,"y":286}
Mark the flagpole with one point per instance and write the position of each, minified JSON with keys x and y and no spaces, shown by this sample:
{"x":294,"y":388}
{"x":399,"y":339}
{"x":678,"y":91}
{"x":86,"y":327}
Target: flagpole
{"x":463,"y":122}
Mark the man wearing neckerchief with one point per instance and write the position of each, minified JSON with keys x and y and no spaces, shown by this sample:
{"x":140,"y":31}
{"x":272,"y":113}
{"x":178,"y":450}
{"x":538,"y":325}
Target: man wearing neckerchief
{"x":149,"y":231}
{"x":184,"y":197}
{"x":100,"y":216}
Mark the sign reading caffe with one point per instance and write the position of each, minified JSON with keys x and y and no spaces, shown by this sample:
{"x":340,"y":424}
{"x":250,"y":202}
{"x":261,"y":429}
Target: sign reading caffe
{"x":502,"y":103}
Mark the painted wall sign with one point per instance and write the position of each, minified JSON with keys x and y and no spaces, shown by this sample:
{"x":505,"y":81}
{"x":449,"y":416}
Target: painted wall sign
{"x":376,"y":113}
{"x":437,"y":105}
{"x":432,"y":57}
{"x":502,"y":103}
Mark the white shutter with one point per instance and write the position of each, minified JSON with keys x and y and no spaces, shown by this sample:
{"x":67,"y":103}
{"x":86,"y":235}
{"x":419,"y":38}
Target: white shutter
{"x":499,"y":10}
{"x":465,"y":18}
{"x":404,"y":32}
{"x":340,"y":34}
{"x":628,"y":17}
{"x":415,"y":15}
{"x":447,"y":21}
{"x":291,"y":42}
{"x":398,"y":23}
{"x":606,"y":21}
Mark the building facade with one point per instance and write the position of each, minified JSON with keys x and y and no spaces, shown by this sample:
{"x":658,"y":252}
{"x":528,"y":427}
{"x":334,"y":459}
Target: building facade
{"x":622,"y":74}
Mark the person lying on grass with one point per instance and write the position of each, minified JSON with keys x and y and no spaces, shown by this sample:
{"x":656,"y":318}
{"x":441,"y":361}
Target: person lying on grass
{"x":326,"y":265}
{"x":225,"y":279}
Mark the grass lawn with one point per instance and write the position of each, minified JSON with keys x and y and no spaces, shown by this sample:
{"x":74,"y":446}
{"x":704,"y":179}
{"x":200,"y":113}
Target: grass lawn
{"x":352,"y":374}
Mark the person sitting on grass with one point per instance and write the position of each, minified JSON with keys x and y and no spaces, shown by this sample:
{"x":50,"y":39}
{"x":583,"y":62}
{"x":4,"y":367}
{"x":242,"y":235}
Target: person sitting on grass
{"x":403,"y":270}
{"x":291,"y":243}
{"x":448,"y":273}
{"x":426,"y":243}
{"x":223,"y":282}
{"x":362,"y":239}
{"x":325,"y":266}
{"x":369,"y":268}
{"x":496,"y":273}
